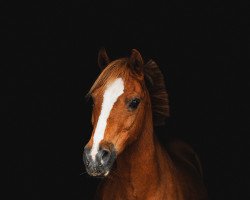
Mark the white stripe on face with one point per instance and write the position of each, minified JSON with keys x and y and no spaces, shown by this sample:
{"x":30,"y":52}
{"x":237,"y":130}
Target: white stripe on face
{"x":111,"y":94}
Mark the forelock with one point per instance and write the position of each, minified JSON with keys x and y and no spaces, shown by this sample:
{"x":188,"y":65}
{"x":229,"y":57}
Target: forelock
{"x":117,"y":68}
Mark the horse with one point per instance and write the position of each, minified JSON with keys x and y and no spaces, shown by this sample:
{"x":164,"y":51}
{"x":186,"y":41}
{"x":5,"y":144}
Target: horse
{"x":129,"y":100}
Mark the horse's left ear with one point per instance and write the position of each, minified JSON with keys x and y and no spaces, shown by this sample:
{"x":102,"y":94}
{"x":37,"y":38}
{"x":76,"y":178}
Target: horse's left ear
{"x":136,"y":60}
{"x":103,"y":59}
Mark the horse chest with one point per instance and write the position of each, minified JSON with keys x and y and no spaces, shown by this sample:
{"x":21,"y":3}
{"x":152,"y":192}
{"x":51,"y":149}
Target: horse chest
{"x":117,"y":191}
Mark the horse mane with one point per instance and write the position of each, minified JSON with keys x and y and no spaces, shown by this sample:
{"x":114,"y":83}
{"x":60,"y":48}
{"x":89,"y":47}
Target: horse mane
{"x":154,"y":80}
{"x":158,"y":93}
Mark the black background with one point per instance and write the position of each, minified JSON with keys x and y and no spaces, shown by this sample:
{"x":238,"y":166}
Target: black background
{"x":51,"y":62}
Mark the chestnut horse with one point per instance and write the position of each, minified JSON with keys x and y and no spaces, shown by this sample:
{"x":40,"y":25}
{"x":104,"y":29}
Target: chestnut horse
{"x":129,"y":100}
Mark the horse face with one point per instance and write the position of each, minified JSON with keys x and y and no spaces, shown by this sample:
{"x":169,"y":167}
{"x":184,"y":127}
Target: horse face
{"x":117,"y":117}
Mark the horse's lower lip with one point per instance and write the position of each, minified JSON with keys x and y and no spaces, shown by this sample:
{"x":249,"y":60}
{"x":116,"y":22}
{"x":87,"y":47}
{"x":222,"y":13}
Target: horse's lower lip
{"x":99,"y":175}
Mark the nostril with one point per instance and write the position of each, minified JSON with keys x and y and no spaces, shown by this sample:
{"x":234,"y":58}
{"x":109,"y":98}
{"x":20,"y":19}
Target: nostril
{"x":105,"y":155}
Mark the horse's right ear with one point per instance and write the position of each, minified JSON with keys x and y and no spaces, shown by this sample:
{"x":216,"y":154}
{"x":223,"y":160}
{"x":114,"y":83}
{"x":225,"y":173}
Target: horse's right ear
{"x":103,"y":59}
{"x":136,"y":60}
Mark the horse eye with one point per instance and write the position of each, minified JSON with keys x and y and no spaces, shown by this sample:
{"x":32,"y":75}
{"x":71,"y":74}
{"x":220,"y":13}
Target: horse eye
{"x":133,"y":104}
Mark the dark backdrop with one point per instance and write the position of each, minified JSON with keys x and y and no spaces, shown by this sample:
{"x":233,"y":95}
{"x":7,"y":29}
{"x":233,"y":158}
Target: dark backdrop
{"x":51,"y":62}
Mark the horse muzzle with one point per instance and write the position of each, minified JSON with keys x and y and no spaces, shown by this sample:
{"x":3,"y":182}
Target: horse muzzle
{"x":100,"y":164}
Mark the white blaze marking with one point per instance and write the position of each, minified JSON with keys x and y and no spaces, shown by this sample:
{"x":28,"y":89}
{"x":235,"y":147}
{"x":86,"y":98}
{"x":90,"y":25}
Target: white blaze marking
{"x":111,"y":94}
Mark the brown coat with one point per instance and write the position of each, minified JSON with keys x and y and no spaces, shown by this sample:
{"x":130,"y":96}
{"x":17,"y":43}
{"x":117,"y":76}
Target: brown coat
{"x":143,"y":170}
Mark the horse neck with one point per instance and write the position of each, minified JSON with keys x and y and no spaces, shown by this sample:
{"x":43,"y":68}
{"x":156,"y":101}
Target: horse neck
{"x":138,"y":163}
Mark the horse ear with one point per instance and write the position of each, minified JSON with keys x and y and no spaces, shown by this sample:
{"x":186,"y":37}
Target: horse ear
{"x":136,"y":60}
{"x":103,"y":59}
